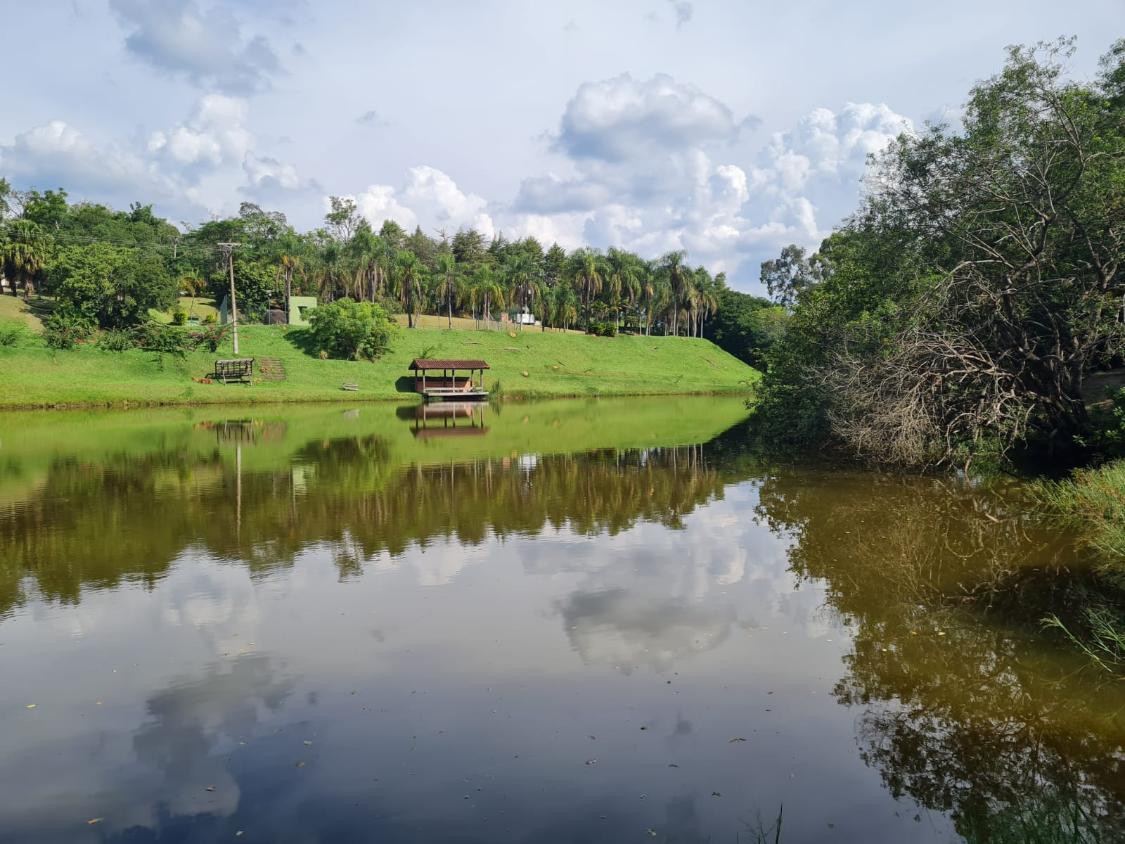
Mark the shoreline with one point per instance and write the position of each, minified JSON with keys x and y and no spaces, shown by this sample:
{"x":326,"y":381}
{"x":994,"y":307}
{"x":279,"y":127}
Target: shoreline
{"x":405,"y":399}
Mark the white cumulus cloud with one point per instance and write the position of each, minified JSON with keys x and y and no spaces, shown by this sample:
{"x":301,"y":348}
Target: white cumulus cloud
{"x":428,"y":197}
{"x":56,"y":154}
{"x":213,"y":135}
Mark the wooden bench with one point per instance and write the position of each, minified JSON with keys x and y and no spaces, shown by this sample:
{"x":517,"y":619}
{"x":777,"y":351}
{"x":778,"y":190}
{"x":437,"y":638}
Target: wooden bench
{"x":444,"y":385}
{"x":240,"y":370}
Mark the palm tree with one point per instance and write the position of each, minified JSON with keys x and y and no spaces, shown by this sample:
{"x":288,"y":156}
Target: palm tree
{"x":448,"y":278}
{"x":586,"y":274}
{"x":330,"y":270}
{"x":522,"y":274}
{"x":706,"y":296}
{"x":24,"y":253}
{"x":624,"y":277}
{"x":648,"y":284}
{"x":679,"y":279}
{"x":485,"y":291}
{"x":411,"y":283}
{"x":288,"y":264}
{"x":564,"y":307}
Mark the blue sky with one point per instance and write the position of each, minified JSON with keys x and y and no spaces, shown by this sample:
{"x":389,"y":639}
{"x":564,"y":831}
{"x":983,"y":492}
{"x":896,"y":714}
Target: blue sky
{"x":725,"y":128}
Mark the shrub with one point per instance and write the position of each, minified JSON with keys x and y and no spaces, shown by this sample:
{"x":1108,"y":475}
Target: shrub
{"x":179,"y":317}
{"x":11,"y":333}
{"x":154,"y":337}
{"x":603,"y":329}
{"x":351,"y":330}
{"x":210,"y":335}
{"x":65,"y":328}
{"x":210,"y":319}
{"x":115,"y":340}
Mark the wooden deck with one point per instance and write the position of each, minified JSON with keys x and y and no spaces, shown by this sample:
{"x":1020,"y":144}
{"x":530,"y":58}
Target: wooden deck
{"x":453,"y":394}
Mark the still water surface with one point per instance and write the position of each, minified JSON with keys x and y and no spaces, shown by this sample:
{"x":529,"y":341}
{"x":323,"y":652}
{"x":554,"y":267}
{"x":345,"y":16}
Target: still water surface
{"x":557,"y":622}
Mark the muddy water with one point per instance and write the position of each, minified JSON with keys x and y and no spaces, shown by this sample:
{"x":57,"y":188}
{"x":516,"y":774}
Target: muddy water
{"x":558,"y":622}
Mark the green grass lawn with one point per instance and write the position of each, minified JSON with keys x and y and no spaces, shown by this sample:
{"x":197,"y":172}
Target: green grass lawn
{"x":531,"y":364}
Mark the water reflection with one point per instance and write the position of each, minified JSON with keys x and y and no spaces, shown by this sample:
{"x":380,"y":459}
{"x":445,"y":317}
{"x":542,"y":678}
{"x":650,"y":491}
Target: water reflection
{"x":966,"y":705}
{"x":312,"y":626}
{"x":446,"y":419}
{"x":131,"y":516}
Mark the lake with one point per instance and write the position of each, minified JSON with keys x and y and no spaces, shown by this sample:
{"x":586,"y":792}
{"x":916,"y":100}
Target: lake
{"x":572,"y":621}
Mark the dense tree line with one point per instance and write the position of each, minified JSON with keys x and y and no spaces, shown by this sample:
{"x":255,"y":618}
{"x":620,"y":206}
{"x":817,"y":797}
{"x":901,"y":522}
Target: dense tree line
{"x":960,"y":309}
{"x":110,"y":267}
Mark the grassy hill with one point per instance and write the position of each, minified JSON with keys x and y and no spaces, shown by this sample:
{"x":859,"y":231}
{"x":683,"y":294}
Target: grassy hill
{"x":527,"y":364}
{"x":15,"y":309}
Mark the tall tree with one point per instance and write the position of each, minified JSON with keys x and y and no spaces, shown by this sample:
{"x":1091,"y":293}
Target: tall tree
{"x":679,"y":277}
{"x":26,"y":249}
{"x":448,"y":282}
{"x":788,"y":276}
{"x":410,"y":279}
{"x":587,"y":275}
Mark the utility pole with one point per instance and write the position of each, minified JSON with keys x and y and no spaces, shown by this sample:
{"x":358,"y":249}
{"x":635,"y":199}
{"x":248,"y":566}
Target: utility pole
{"x":228,"y":253}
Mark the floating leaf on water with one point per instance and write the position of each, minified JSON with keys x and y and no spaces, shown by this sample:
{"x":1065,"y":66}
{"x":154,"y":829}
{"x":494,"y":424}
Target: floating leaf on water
{"x":651,"y":833}
{"x":209,"y":788}
{"x":308,"y":744}
{"x":715,"y":794}
{"x":32,"y":705}
{"x":300,"y":764}
{"x":673,"y":765}
{"x":93,"y":821}
{"x":591,"y":761}
{"x":736,"y":738}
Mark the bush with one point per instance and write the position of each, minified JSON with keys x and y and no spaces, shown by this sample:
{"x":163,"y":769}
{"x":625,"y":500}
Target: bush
{"x":65,"y":328}
{"x":179,"y":317}
{"x":210,"y":319}
{"x":11,"y":333}
{"x":602,"y":329}
{"x":210,"y":336}
{"x":115,"y":340}
{"x":351,"y":330}
{"x":154,"y":337}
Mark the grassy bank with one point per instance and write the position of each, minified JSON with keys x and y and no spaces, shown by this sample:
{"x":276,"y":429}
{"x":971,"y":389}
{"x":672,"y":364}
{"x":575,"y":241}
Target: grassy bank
{"x":1095,"y":500}
{"x":530,"y":364}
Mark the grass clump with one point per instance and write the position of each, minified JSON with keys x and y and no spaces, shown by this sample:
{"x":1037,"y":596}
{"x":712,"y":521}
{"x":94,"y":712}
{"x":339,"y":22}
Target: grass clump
{"x":12,"y":333}
{"x":1099,"y":633}
{"x":1095,"y":500}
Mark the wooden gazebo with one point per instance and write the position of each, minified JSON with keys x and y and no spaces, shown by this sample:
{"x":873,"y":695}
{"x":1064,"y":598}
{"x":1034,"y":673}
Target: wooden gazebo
{"x":438,"y":379}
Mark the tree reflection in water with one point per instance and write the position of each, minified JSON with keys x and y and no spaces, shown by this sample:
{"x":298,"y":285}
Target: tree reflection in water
{"x":128,"y":517}
{"x":967,"y":705}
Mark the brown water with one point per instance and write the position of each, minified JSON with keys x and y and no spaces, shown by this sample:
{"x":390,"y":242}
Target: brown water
{"x":558,"y":622}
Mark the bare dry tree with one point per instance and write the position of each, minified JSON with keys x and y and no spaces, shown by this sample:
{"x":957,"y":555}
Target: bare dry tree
{"x":1026,"y":206}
